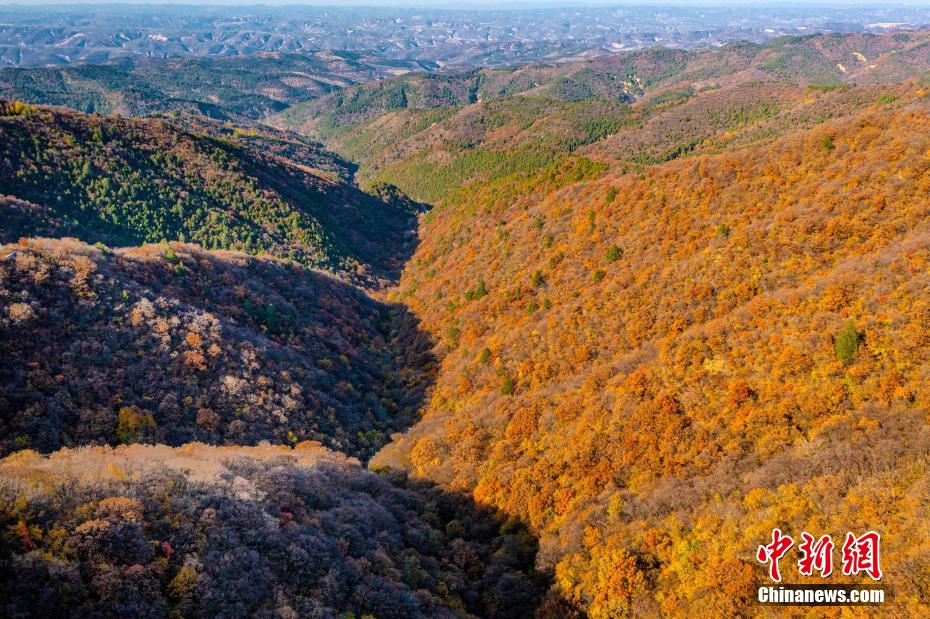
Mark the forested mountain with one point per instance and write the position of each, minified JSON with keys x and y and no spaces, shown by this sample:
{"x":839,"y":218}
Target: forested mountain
{"x":816,"y":59}
{"x":324,"y":90}
{"x":291,"y":146}
{"x":130,"y":181}
{"x":170,"y":344}
{"x":655,"y":367}
{"x":662,"y":303}
{"x":435,"y":153}
{"x":613,"y":79}
{"x":431,"y":133}
{"x":203,"y":531}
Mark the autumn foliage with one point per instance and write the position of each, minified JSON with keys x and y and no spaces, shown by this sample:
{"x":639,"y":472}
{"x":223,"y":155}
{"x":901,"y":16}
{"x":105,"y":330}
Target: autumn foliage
{"x":646,"y":322}
{"x":201,"y":531}
{"x":171,"y":343}
{"x":688,"y":390}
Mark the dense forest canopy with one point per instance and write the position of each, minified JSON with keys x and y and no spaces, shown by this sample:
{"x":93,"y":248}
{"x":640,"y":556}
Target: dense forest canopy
{"x":430,"y":134}
{"x":227,"y":87}
{"x":637,"y":312}
{"x":201,"y":531}
{"x":685,"y":356}
{"x":171,"y":343}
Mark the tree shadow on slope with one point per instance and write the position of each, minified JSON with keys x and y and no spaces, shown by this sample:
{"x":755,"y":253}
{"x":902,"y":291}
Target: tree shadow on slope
{"x":173,"y":344}
{"x":261,"y":539}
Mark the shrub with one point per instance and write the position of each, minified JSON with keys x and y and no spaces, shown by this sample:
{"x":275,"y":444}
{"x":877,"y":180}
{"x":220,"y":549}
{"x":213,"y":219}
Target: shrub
{"x":452,"y":335}
{"x":479,"y":291}
{"x":847,"y":343}
{"x":20,"y":311}
{"x":170,"y":256}
{"x":507,"y":385}
{"x":181,"y":588}
{"x":17,"y":108}
{"x":132,"y":424}
{"x":208,"y":419}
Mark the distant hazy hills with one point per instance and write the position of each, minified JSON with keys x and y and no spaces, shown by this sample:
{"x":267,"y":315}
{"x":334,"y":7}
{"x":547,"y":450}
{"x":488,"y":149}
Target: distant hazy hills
{"x":221,"y":87}
{"x":494,"y":34}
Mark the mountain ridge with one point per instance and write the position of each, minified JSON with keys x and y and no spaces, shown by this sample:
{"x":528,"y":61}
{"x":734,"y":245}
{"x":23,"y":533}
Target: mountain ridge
{"x":128,"y":181}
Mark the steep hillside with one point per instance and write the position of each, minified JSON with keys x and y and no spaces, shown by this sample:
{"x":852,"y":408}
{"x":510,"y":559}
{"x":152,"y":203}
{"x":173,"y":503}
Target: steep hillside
{"x":292,"y":147}
{"x":129,"y":181}
{"x":682,"y":122}
{"x":433,"y":154}
{"x":203,"y":531}
{"x":172,"y":344}
{"x":656,"y":368}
